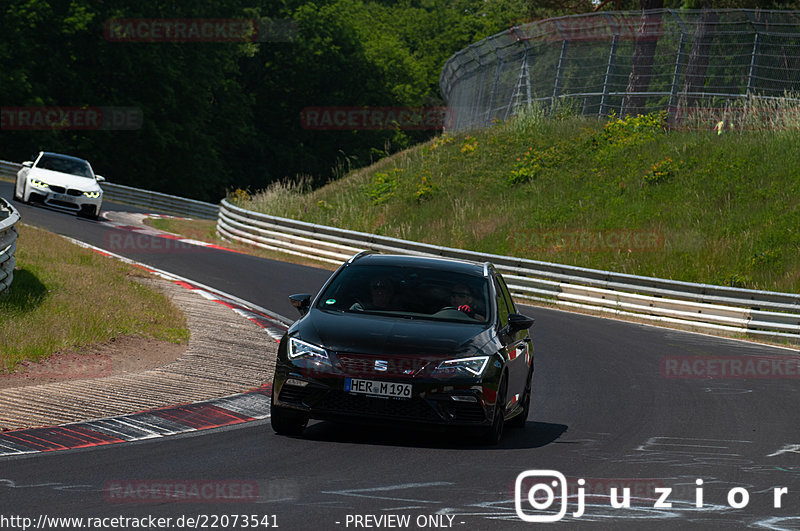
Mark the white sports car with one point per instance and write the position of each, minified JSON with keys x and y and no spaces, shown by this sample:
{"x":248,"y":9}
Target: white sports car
{"x":60,"y":181}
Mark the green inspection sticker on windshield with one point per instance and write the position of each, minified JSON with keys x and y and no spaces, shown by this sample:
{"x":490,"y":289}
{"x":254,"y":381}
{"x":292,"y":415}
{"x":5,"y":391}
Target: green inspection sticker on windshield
{"x":330,"y":301}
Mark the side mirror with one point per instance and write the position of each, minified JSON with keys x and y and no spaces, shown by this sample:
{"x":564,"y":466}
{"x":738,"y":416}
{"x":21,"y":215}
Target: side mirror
{"x":301,"y":301}
{"x":99,"y":178}
{"x":27,"y":163}
{"x":517,"y":322}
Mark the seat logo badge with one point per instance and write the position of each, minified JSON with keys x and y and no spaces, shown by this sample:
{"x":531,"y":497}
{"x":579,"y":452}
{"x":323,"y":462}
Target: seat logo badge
{"x":381,"y":365}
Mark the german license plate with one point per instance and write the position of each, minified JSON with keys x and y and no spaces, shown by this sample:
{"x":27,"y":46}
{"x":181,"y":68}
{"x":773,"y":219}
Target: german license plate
{"x":64,"y":197}
{"x":377,"y":388}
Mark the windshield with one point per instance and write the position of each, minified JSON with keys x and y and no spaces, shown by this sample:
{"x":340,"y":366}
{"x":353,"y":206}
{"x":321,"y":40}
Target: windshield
{"x":76,"y":167}
{"x":409,"y":293}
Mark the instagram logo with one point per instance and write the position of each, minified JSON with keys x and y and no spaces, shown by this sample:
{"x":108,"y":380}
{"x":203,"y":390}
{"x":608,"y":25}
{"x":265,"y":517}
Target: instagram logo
{"x":541,"y":495}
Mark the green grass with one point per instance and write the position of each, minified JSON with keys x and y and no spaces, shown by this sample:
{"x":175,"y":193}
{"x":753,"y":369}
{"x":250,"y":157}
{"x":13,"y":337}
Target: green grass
{"x":724,"y":209}
{"x":67,"y":297}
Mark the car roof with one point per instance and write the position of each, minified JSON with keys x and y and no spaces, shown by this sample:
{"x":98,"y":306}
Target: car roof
{"x":59,"y":155}
{"x":446,"y":264}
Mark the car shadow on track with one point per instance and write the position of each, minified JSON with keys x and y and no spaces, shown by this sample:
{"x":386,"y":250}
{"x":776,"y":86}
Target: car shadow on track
{"x":534,"y":435}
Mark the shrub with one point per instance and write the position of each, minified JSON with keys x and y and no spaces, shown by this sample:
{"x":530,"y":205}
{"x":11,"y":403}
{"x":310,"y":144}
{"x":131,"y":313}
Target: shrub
{"x":531,"y":162}
{"x":382,"y":186}
{"x":661,"y":171}
{"x":424,"y":190}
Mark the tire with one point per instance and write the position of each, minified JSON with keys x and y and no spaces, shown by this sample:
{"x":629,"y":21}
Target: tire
{"x":16,"y":196}
{"x":93,"y":214}
{"x":519,"y":420}
{"x":287,"y":422}
{"x":492,"y":435}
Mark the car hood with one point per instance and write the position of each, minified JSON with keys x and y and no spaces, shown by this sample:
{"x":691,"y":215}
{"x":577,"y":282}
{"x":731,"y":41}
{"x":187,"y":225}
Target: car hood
{"x":378,"y":335}
{"x":64,"y":179}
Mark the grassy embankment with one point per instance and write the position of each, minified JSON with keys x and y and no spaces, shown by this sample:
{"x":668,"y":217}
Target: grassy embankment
{"x":623,"y":195}
{"x":66,"y":297}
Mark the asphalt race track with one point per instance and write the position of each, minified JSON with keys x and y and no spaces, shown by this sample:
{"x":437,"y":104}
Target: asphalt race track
{"x":612,"y":405}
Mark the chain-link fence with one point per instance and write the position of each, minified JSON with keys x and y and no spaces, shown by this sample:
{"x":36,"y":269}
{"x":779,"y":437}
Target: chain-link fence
{"x":627,"y":63}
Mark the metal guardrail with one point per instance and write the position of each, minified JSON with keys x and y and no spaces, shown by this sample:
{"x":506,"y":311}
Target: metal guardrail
{"x":702,"y":306}
{"x":8,"y":243}
{"x":699,"y":306}
{"x":9,"y":169}
{"x":168,"y":204}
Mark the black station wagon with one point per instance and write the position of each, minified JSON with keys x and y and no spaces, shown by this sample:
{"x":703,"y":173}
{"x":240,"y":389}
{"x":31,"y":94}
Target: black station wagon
{"x":410,"y":339}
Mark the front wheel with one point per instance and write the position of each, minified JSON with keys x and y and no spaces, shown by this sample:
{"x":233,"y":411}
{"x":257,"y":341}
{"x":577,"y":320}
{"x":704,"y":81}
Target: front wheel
{"x":492,"y":435}
{"x":17,"y":197}
{"x":287,"y":422}
{"x":519,"y":420}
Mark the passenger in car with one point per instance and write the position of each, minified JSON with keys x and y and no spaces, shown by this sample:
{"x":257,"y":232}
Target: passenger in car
{"x":381,"y":293}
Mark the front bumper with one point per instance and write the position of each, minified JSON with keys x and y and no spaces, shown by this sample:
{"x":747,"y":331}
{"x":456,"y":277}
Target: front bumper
{"x":66,"y":201}
{"x":433,"y":401}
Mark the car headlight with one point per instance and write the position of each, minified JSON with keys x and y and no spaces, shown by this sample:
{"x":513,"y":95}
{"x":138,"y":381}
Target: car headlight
{"x":92,"y":195}
{"x":41,"y":185}
{"x":473,"y":366}
{"x":301,"y":349}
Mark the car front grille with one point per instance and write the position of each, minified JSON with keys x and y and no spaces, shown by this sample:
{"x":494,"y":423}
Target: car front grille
{"x":363,"y":366}
{"x":58,"y":189}
{"x":464,"y":411}
{"x":74,"y":192}
{"x":63,"y":204}
{"x":345,"y":403}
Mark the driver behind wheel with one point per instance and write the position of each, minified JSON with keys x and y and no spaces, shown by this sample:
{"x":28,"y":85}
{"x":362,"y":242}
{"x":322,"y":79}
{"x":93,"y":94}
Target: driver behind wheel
{"x":461,"y":298}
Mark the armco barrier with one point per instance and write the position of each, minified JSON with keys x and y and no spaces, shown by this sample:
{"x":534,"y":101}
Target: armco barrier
{"x":163,"y":203}
{"x":9,"y":169}
{"x":8,"y":243}
{"x":700,"y":306}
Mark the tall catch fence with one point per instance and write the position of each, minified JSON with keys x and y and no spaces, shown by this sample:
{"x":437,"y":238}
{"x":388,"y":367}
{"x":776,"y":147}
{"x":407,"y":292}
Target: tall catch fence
{"x":628,"y":63}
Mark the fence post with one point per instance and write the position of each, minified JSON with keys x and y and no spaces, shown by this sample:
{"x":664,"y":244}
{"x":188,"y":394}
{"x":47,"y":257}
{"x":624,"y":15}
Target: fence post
{"x":612,"y":60}
{"x":522,"y":80}
{"x":610,"y":65}
{"x":559,"y":72}
{"x":499,"y":68}
{"x":476,"y":102}
{"x":672,"y":109}
{"x":753,"y":56}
